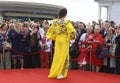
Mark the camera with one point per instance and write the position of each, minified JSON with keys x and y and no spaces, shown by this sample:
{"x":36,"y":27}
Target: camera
{"x":91,"y":39}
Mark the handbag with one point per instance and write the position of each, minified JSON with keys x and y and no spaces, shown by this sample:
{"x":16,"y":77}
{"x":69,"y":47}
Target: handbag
{"x":112,"y":49}
{"x":102,"y":51}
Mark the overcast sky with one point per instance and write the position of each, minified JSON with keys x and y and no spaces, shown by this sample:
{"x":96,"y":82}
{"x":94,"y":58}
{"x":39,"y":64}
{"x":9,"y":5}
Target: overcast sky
{"x":78,"y":10}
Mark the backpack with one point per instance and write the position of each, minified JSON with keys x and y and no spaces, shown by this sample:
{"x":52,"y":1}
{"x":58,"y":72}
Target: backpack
{"x":102,"y":51}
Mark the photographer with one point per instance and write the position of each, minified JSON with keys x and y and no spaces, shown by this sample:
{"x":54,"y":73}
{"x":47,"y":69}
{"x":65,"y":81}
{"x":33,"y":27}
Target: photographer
{"x":94,"y":40}
{"x":34,"y":46}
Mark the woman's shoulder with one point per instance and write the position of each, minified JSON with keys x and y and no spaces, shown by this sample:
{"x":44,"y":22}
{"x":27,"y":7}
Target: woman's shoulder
{"x":97,"y":35}
{"x":12,"y":31}
{"x":67,"y":21}
{"x":100,"y":35}
{"x":61,"y":22}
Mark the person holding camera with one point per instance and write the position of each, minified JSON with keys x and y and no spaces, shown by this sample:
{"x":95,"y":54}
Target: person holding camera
{"x":94,"y":40}
{"x":34,"y":46}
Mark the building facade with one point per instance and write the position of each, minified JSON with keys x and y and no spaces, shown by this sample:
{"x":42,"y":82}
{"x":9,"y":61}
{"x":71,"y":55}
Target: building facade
{"x":13,"y":9}
{"x":113,"y":9}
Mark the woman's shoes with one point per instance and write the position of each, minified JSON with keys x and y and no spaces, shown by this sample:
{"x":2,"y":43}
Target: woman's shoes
{"x":60,"y":76}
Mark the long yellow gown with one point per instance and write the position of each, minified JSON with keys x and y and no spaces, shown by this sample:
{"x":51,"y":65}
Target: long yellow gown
{"x":62,"y":33}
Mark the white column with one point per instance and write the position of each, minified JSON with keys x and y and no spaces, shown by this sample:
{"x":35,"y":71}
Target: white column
{"x":100,"y":12}
{"x":1,"y":18}
{"x":109,"y":13}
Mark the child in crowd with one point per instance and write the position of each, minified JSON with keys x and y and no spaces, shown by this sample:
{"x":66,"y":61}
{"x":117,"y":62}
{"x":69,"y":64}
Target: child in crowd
{"x":45,"y":50}
{"x":84,"y":49}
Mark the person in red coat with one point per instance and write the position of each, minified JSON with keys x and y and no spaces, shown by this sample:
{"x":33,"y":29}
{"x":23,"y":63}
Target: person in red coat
{"x":84,"y":49}
{"x":94,"y":40}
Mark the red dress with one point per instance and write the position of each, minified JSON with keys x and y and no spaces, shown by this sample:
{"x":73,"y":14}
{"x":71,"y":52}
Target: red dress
{"x":83,"y":54}
{"x":44,"y":56}
{"x":94,"y":60}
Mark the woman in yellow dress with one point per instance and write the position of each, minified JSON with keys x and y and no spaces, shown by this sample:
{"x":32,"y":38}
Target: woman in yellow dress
{"x":62,"y":31}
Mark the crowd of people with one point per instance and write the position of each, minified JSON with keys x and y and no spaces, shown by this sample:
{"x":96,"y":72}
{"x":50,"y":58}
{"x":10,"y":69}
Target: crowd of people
{"x":89,"y":39}
{"x":23,"y":44}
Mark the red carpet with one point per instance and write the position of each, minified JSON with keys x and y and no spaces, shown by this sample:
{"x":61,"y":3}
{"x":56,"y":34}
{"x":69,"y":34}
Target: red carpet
{"x":40,"y":76}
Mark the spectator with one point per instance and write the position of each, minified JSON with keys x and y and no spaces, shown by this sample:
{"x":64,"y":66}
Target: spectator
{"x":16,"y":37}
{"x":34,"y":46}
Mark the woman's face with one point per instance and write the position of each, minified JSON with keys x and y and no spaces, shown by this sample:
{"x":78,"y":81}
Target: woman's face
{"x":45,"y":29}
{"x":103,"y":26}
{"x":83,"y":46}
{"x":97,"y":30}
{"x":118,"y":31}
{"x":25,"y":28}
{"x":81,"y":26}
{"x":4,"y":27}
{"x":19,"y":26}
{"x":89,"y":30}
{"x":109,"y":31}
{"x":107,"y":25}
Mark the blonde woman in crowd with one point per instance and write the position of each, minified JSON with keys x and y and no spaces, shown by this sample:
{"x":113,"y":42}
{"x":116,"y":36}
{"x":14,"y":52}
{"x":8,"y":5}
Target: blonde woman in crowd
{"x":16,"y":37}
{"x":84,"y":36}
{"x":109,"y":62}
